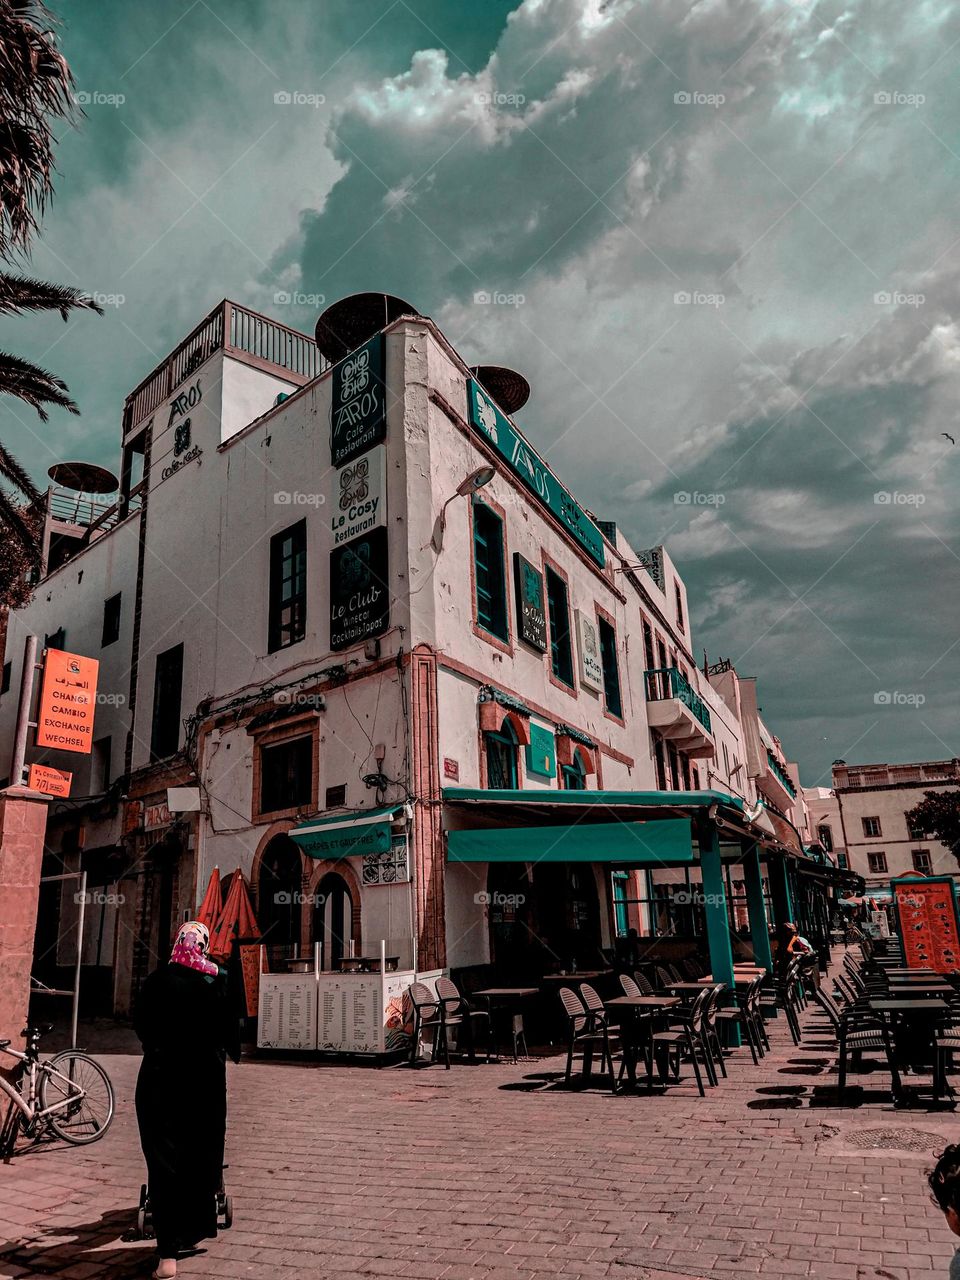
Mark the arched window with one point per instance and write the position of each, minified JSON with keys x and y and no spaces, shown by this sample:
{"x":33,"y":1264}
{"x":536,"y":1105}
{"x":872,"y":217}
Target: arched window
{"x":574,"y":776}
{"x":333,"y":919}
{"x":501,"y":749}
{"x":279,"y":894}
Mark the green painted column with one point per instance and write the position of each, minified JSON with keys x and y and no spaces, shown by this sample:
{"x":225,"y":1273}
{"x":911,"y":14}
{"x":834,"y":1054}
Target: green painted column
{"x":759,"y":934}
{"x":715,"y":911}
{"x":780,"y":895}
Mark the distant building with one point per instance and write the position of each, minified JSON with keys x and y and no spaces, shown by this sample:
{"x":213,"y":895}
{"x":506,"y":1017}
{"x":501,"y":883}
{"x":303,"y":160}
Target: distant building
{"x":874,"y":800}
{"x":823,"y":823}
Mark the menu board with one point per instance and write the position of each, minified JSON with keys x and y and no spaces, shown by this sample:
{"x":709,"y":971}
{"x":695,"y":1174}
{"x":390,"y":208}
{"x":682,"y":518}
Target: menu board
{"x":928,"y":923}
{"x":288,"y":1011}
{"x":351,"y":1013}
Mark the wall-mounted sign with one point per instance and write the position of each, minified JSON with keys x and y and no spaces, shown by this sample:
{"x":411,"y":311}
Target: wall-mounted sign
{"x":389,"y":867}
{"x":156,"y":815}
{"x":359,"y":590}
{"x":495,"y":427}
{"x":542,"y":752}
{"x":67,"y":702}
{"x":929,"y":925}
{"x":52,"y":782}
{"x":588,"y":648}
{"x":531,"y":615}
{"x":451,"y":769}
{"x":358,"y":413}
{"x":358,"y":501}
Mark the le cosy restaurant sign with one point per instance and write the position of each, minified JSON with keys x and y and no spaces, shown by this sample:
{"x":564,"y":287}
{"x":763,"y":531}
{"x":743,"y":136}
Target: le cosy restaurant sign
{"x":359,"y":496}
{"x":358,"y":412}
{"x":487,"y":419}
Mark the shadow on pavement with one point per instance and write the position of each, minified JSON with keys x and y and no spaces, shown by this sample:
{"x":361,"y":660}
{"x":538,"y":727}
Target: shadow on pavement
{"x":85,"y":1249}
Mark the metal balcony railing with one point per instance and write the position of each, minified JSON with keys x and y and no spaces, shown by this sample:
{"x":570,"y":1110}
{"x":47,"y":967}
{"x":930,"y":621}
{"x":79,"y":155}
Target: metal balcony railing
{"x":668,"y":682}
{"x":782,"y":776}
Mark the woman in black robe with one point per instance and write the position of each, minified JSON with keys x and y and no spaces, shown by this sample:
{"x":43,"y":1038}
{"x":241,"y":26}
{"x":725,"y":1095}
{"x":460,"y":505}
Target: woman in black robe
{"x":185,"y":1022}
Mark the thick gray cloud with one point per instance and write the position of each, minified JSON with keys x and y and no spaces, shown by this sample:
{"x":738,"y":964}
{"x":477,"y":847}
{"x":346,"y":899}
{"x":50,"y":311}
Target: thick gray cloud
{"x":724,"y":238}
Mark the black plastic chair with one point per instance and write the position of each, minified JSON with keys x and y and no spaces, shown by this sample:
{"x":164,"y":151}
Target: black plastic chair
{"x":858,"y":1032}
{"x":747,"y":1015}
{"x":684,"y":1032}
{"x":427,"y":1017}
{"x":582,"y":1035}
{"x":457,"y":1012}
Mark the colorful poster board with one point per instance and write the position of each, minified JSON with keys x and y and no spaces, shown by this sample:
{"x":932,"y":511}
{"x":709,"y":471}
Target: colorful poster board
{"x":52,"y":782}
{"x":358,"y":412}
{"x":929,"y":924}
{"x":67,"y":702}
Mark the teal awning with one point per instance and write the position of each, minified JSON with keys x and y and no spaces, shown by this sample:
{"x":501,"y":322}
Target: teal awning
{"x":347,"y":835}
{"x":612,"y":799}
{"x":661,"y":842}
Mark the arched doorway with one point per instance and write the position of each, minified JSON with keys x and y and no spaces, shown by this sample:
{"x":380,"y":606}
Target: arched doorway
{"x":568,"y":913}
{"x":333,"y":919}
{"x":279,"y":894}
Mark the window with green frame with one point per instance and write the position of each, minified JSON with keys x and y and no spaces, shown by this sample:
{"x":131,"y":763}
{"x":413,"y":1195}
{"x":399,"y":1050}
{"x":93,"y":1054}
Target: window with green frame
{"x":574,"y":776}
{"x":611,"y":671}
{"x":561,"y":648}
{"x":489,"y":572}
{"x":502,"y":751}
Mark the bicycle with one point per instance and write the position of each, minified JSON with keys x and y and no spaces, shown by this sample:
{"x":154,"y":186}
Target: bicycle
{"x":70,"y":1094}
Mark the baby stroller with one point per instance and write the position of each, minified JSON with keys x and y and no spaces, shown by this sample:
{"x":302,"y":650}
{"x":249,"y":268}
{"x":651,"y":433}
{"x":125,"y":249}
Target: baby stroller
{"x":145,"y":1214}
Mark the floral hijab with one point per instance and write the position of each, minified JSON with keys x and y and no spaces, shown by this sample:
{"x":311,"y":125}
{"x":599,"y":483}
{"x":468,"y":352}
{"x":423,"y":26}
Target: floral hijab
{"x":191,"y":946}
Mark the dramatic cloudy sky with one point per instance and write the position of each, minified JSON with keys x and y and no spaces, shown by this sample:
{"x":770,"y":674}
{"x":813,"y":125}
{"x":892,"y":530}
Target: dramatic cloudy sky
{"x":723,"y":241}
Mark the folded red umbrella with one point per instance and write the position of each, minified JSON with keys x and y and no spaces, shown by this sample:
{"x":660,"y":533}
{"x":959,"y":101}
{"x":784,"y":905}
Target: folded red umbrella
{"x":211,"y":908}
{"x":237,"y":920}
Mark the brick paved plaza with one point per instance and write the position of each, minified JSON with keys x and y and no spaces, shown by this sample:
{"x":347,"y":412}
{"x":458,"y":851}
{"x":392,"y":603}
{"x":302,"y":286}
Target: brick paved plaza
{"x":492,"y":1171}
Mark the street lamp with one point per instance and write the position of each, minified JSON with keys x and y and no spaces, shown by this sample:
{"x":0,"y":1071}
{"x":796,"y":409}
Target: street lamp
{"x":474,"y":481}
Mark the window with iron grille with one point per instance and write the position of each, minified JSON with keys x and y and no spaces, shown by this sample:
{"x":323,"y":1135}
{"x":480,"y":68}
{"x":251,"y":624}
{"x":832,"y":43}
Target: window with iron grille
{"x":489,"y":572}
{"x":287,"y":622}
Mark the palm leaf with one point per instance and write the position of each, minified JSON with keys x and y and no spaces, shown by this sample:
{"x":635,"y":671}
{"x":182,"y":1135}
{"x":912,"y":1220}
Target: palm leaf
{"x":20,"y":293}
{"x":11,"y":519}
{"x":11,"y":469}
{"x":34,"y":385}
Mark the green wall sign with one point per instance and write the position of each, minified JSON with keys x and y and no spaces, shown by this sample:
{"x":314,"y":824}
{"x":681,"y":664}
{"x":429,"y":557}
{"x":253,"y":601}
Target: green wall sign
{"x":542,"y":752}
{"x":486,"y":418}
{"x":358,"y":413}
{"x":531,"y":614}
{"x":345,"y":842}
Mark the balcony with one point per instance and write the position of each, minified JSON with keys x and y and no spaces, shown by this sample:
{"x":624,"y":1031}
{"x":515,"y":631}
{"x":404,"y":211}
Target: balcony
{"x":241,"y":333}
{"x":776,"y":784}
{"x":678,"y":713}
{"x":73,"y":520}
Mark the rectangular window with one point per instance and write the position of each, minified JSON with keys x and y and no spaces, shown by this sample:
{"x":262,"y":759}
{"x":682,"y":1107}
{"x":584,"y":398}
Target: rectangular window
{"x":922,"y":861}
{"x":100,"y":765}
{"x":501,"y":752}
{"x":167,"y":691}
{"x":7,"y":675}
{"x":915,"y":829}
{"x":288,"y":587}
{"x":662,"y":652}
{"x":877,"y":862}
{"x":111,"y":621}
{"x":660,"y":764}
{"x":286,"y":775}
{"x":611,"y":671}
{"x":825,"y":838}
{"x":871,"y":826}
{"x":679,"y":599}
{"x":561,"y":649}
{"x":489,"y":571}
{"x":648,"y":657}
{"x":842,"y":861}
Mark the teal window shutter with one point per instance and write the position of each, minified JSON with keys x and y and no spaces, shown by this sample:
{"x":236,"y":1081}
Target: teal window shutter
{"x":489,"y":571}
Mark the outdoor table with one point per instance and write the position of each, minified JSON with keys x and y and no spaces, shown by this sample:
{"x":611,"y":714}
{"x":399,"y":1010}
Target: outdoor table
{"x":921,"y":1015}
{"x":635,"y":1006}
{"x":921,"y":990}
{"x":573,"y":979}
{"x":505,"y":996}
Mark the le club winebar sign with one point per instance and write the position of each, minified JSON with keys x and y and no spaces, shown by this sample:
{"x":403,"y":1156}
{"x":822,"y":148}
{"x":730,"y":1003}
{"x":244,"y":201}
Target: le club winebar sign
{"x":486,"y":418}
{"x":531,"y":616}
{"x":67,"y":702}
{"x":358,"y":413}
{"x":359,"y":590}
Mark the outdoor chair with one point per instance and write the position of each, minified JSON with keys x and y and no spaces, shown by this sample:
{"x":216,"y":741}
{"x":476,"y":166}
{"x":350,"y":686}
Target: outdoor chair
{"x":630,"y":988}
{"x":858,"y":1032}
{"x":711,"y":1034}
{"x":746,"y":1014}
{"x":692,"y":969}
{"x":456,"y":1012}
{"x":665,"y":980}
{"x":644,"y":983}
{"x":427,"y":1017}
{"x":684,"y":1033}
{"x":785,"y":997}
{"x":946,"y":1043}
{"x":583,"y":1035}
{"x":674,"y":972}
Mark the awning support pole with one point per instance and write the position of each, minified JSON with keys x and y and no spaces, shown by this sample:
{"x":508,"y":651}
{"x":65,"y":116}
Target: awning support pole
{"x":759,"y":934}
{"x":715,"y":911}
{"x":780,"y":894}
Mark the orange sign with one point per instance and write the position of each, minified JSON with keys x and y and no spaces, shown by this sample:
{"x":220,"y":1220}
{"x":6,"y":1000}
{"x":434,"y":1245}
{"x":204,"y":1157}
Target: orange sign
{"x":67,"y":702}
{"x":52,"y":782}
{"x":928,"y":923}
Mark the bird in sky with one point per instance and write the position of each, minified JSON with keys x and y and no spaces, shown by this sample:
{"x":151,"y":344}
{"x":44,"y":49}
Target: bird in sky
{"x":948,"y":436}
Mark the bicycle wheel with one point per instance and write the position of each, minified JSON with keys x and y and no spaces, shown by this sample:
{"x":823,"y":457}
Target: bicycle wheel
{"x":85,"y":1087}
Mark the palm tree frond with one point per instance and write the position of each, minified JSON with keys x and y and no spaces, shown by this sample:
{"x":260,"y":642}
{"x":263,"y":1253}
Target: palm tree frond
{"x":14,"y":472}
{"x":19,"y":294}
{"x":34,"y":385}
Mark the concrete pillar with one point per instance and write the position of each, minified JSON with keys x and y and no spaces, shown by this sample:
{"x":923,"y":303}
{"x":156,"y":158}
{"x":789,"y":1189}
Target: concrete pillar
{"x":759,"y":934}
{"x":23,"y":825}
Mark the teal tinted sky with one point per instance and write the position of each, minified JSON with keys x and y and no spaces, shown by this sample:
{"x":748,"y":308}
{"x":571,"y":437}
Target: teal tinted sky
{"x":724,"y":240}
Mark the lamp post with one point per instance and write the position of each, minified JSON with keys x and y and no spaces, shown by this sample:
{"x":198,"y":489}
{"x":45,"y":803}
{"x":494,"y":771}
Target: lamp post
{"x":474,"y":481}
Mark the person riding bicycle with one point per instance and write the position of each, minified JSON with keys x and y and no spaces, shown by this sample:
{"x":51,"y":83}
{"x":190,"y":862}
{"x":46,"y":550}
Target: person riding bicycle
{"x":184,"y":1019}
